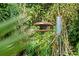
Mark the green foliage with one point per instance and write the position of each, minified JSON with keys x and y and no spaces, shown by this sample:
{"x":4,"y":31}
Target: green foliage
{"x":7,"y":11}
{"x":69,"y":13}
{"x":15,"y":24}
{"x":39,"y":44}
{"x":7,"y":26}
{"x":12,"y":44}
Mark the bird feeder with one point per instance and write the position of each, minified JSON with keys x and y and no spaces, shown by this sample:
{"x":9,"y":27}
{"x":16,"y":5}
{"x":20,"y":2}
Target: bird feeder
{"x":44,"y":26}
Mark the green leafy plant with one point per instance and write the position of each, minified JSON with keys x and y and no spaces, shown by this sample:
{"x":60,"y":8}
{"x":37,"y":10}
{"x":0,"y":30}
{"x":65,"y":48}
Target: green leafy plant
{"x":17,"y":32}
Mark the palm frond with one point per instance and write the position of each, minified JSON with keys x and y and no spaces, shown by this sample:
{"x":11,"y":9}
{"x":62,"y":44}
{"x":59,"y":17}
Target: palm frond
{"x":10,"y":44}
{"x":9,"y":25}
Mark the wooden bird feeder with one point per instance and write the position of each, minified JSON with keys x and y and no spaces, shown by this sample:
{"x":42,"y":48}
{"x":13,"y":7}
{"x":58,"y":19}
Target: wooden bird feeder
{"x":44,"y":26}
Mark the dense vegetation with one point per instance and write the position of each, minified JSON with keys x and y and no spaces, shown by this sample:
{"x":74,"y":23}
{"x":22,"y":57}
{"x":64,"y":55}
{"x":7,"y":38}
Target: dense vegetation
{"x":18,"y":35}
